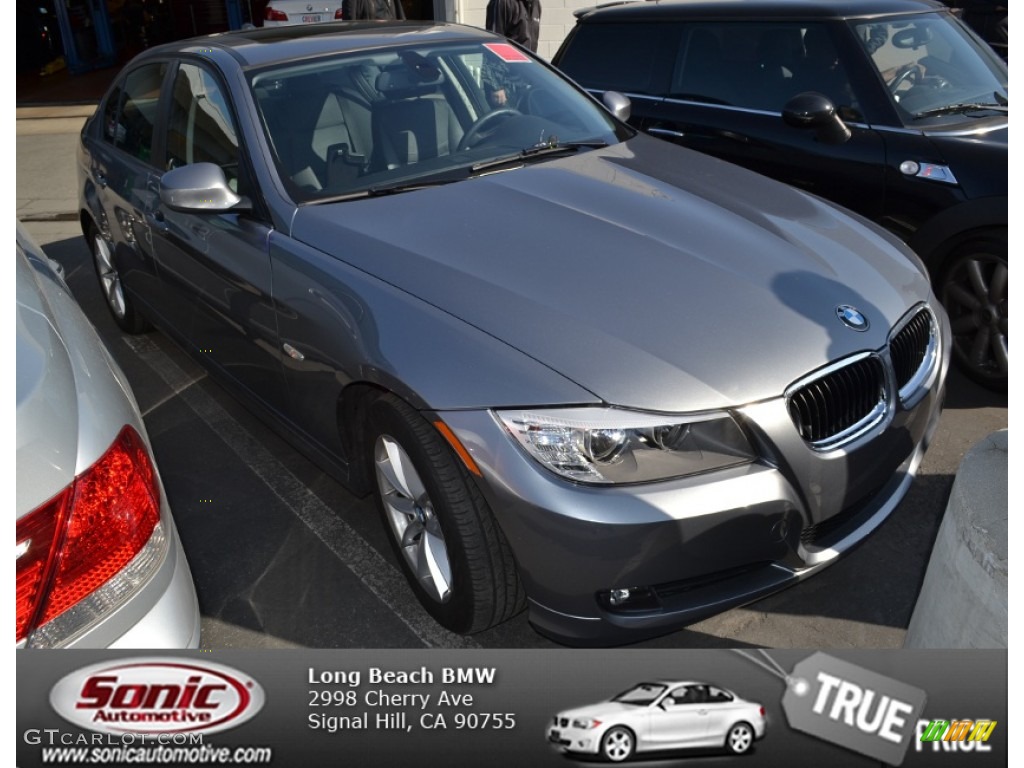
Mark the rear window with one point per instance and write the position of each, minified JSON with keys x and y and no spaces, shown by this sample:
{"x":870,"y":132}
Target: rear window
{"x":617,"y":57}
{"x":131,"y":112}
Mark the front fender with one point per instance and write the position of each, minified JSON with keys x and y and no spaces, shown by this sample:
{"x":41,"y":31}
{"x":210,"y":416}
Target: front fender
{"x":937,"y":236}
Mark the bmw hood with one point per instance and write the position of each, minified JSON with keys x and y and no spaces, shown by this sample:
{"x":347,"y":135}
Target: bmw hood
{"x":597,"y":711}
{"x":654,"y":277}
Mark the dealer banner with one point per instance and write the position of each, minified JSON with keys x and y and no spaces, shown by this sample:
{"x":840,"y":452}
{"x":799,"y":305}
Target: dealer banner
{"x":518,"y":709}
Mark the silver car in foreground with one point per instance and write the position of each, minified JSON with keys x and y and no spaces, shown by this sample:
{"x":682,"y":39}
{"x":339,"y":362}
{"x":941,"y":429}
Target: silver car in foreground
{"x":583,"y":370}
{"x":99,"y":563}
{"x":658,"y":716}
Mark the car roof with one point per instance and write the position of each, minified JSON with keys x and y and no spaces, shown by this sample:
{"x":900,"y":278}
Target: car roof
{"x":269,"y":45}
{"x":660,"y":10}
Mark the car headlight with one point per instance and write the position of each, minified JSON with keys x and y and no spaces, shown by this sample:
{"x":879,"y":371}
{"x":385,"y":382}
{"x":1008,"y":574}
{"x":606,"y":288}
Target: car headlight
{"x":609,"y":446}
{"x":585,"y":723}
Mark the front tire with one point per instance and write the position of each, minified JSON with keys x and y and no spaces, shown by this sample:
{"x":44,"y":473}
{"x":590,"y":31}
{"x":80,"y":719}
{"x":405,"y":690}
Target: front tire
{"x":618,"y":744}
{"x":446,"y":539}
{"x":974,"y":288}
{"x":740,"y":739}
{"x":122,"y":309}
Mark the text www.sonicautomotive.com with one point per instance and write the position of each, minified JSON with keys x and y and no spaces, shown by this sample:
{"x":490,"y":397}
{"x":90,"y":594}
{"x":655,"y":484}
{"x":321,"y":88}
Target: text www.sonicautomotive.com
{"x":150,"y":755}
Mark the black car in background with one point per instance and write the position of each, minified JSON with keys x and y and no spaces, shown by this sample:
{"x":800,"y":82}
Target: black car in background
{"x":892,"y":108}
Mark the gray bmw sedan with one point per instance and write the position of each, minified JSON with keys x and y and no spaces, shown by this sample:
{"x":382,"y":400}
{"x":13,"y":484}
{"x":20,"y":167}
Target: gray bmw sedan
{"x":619,"y":383}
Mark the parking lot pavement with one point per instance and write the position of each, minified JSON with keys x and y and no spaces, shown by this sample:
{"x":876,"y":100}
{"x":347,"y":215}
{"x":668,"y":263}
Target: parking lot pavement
{"x":284,"y":556}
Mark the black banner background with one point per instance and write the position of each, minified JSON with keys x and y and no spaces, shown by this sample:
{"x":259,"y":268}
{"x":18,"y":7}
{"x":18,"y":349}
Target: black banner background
{"x":534,"y":685}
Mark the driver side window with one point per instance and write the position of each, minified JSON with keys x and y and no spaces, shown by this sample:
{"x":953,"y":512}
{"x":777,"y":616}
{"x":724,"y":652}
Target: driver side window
{"x":201,"y":128}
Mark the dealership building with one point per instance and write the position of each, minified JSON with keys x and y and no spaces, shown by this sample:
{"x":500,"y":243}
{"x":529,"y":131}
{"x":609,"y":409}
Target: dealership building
{"x":88,"y":35}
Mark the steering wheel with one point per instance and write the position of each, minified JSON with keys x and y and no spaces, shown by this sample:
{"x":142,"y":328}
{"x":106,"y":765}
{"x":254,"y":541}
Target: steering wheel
{"x":908,"y":72}
{"x":477,"y":128}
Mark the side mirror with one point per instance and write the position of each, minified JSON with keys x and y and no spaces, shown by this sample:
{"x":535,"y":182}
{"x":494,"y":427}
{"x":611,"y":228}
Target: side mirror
{"x":618,"y":104}
{"x":667,"y":703}
{"x":814,"y":110}
{"x":198,"y":187}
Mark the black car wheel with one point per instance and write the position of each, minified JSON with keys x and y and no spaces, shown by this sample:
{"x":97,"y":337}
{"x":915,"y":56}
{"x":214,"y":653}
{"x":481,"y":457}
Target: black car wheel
{"x":618,"y":744}
{"x":444,"y":534}
{"x":121,"y":307}
{"x":739,"y":739}
{"x":973,"y":288}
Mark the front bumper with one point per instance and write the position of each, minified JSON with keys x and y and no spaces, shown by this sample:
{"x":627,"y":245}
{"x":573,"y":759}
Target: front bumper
{"x":695,"y":546}
{"x":576,"y":740}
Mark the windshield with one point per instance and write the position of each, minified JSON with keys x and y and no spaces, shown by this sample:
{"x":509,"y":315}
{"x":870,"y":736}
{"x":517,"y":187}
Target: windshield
{"x":408,"y":116}
{"x":934,"y":68}
{"x":641,"y":695}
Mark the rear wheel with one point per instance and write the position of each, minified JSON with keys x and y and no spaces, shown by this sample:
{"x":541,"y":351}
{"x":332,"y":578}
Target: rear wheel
{"x":974,"y":288}
{"x":444,"y":534}
{"x":739,"y":739}
{"x":121,"y":307}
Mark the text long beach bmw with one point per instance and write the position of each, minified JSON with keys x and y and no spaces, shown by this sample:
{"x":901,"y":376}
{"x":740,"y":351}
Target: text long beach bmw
{"x":584,"y":371}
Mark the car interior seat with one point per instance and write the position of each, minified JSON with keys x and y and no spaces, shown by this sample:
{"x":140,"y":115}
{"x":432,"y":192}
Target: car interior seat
{"x":412,"y":121}
{"x":319,"y":134}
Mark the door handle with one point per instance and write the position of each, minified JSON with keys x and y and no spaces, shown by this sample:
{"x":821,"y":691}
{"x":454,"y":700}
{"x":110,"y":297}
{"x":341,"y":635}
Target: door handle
{"x":667,"y":132}
{"x":156,"y":221}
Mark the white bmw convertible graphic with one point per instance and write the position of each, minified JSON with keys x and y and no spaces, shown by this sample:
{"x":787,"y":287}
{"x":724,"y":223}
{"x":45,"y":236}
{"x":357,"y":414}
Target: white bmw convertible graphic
{"x":661,"y":715}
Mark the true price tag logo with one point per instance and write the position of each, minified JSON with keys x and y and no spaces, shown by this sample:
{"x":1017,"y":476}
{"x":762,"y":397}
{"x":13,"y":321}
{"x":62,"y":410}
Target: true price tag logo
{"x":853,"y":707}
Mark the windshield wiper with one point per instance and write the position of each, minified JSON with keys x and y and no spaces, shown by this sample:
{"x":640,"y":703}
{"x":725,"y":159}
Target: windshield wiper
{"x":462,"y":172}
{"x":951,"y":109}
{"x":538,"y":150}
{"x":394,"y":189}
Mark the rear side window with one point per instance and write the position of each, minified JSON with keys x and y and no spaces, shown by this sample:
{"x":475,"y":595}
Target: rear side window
{"x":618,"y":57}
{"x":131,"y":111}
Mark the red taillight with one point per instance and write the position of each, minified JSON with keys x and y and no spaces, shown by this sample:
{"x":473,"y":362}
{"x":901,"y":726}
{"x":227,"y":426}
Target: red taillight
{"x":272,"y":14}
{"x":37,"y":549}
{"x":338,"y":15}
{"x":79,"y":540}
{"x":762,"y":711}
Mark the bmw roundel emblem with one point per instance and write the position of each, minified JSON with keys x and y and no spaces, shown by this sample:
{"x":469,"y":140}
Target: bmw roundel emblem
{"x":852,"y":317}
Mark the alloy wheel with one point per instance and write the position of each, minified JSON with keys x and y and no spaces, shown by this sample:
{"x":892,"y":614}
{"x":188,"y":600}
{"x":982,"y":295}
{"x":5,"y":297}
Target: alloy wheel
{"x":740,"y":738}
{"x":110,"y":280}
{"x":974,"y":293}
{"x":618,"y":744}
{"x":410,"y":513}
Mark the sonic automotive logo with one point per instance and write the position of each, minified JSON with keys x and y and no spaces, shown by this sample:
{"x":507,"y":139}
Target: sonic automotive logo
{"x":152,"y":696}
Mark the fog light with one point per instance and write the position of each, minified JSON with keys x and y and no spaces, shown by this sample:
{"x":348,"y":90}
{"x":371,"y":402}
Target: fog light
{"x":618,"y":596}
{"x":629,"y":599}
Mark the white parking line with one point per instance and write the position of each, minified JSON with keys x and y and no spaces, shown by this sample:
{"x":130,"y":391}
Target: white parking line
{"x":376,"y":573}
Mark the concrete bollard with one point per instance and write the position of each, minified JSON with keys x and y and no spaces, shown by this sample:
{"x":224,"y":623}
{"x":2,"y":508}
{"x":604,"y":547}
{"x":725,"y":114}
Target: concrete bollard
{"x":963,"y":600}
